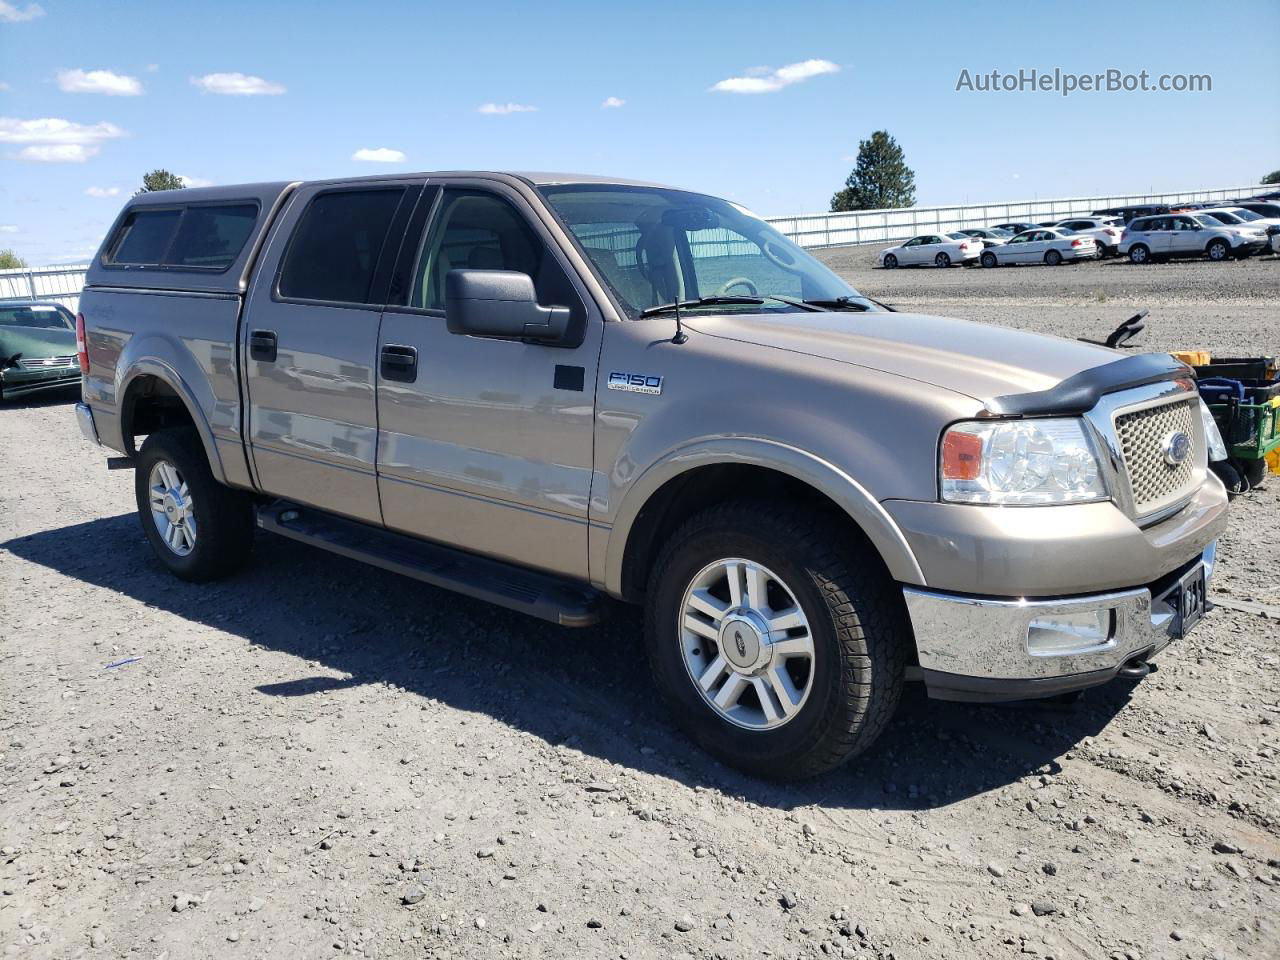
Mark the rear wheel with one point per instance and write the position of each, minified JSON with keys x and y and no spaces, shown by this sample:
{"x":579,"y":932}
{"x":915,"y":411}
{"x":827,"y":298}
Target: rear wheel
{"x":778,"y":646}
{"x":1139,"y":254}
{"x":989,"y":259}
{"x":1218,"y":250}
{"x":942,"y":260}
{"x":199,"y":529}
{"x":1053,"y":258}
{"x":890,"y":261}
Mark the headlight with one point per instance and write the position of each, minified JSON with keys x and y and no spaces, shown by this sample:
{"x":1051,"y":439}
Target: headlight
{"x":1212,"y":435}
{"x":1020,"y":463}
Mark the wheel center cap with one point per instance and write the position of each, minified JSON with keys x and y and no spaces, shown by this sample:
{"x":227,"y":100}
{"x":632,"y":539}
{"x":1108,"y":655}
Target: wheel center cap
{"x":742,"y":642}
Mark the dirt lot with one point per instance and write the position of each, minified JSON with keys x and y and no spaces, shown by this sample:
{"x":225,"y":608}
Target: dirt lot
{"x":315,"y":759}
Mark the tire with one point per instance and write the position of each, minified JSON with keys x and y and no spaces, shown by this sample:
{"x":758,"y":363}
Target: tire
{"x":1218,"y":250}
{"x":890,"y":261}
{"x":1231,"y":478}
{"x":989,"y":259}
{"x":1139,"y":254}
{"x":172,"y":467}
{"x":942,"y":260}
{"x":1053,"y":258}
{"x":846,"y":692}
{"x":1254,"y":472}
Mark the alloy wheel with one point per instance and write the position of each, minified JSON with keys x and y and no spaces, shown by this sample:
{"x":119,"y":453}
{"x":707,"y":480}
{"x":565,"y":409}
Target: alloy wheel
{"x":747,"y":644}
{"x":172,"y":508}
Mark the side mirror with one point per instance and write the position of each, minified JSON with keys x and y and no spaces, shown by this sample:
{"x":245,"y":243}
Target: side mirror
{"x":500,"y":303}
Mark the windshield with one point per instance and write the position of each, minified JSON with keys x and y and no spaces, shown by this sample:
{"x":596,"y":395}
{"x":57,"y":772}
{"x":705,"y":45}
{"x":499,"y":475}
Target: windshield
{"x":48,"y":317}
{"x":959,"y":236}
{"x":653,"y":246}
{"x":1246,"y":215}
{"x":1207,"y":221}
{"x":1000,"y":232}
{"x":1223,"y":217}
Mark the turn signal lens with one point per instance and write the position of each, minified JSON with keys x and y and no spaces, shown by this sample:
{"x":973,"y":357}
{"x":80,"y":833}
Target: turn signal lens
{"x":82,"y":347}
{"x":961,"y":456}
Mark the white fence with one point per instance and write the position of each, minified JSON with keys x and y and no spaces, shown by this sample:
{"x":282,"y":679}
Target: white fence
{"x":64,"y":283}
{"x":881,"y":226}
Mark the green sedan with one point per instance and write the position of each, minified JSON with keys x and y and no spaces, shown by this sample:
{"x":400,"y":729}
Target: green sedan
{"x":37,"y":349}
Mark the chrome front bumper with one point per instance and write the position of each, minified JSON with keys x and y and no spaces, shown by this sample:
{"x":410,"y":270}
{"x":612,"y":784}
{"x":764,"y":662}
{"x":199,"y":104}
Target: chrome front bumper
{"x":974,"y":648}
{"x":84,"y":417}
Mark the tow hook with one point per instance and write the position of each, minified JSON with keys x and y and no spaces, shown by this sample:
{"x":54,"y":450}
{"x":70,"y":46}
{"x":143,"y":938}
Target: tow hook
{"x":1137,"y":668}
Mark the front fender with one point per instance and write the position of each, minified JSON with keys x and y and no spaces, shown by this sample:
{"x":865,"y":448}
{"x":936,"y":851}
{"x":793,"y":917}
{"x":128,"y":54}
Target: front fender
{"x":817,"y":473}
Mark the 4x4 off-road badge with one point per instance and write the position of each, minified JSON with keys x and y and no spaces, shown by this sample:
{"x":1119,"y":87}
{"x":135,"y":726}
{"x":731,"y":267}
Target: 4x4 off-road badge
{"x":635,"y":382}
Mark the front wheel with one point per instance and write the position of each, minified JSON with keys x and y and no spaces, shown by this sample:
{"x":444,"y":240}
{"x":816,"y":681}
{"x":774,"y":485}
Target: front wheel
{"x":989,"y":259}
{"x":890,"y":261}
{"x":199,"y":529}
{"x":942,"y":260}
{"x":778,"y":645}
{"x":1218,"y":250}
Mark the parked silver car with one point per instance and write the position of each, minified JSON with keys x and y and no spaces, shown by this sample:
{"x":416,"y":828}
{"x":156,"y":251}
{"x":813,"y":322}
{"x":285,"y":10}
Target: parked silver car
{"x":1187,"y":235}
{"x":1048,"y":245}
{"x":1106,"y":231}
{"x":931,"y":249}
{"x":546,"y":391}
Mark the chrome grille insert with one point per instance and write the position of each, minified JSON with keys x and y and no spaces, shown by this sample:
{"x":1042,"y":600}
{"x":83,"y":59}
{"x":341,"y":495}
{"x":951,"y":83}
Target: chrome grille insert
{"x":1142,"y":434}
{"x":45,"y":363}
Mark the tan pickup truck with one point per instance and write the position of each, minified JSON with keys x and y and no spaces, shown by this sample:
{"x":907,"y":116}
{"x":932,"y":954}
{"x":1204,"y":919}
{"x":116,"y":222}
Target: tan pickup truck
{"x":554,"y":392}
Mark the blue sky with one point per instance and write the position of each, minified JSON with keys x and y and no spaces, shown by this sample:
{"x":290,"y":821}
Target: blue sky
{"x":95,"y":94}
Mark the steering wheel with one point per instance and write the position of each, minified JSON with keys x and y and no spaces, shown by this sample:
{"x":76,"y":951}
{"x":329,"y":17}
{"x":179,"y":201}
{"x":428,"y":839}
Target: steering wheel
{"x":738,"y":282}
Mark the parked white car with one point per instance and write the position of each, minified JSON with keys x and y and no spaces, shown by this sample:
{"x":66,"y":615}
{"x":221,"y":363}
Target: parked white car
{"x":990,"y":237}
{"x":1051,"y":245}
{"x":939,"y":249}
{"x":1187,"y":235}
{"x":1235,"y":216}
{"x":1106,"y":231}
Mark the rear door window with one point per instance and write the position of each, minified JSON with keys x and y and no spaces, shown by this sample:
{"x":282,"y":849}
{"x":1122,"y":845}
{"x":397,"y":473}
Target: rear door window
{"x":144,"y":237}
{"x":336,"y":246}
{"x":211,"y":237}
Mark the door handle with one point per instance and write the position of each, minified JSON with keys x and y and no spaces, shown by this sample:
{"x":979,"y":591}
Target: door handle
{"x":262,"y":345}
{"x":399,"y":363}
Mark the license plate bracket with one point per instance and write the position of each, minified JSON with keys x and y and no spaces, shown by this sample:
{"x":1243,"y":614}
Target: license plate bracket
{"x":1190,"y":601}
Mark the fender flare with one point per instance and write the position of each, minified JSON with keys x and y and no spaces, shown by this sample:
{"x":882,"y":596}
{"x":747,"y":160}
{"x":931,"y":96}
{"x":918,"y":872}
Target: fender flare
{"x":801,"y":465}
{"x":153,"y":367}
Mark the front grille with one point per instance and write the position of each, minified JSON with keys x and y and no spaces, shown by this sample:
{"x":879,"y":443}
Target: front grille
{"x":1155,"y":482}
{"x":46,"y":363}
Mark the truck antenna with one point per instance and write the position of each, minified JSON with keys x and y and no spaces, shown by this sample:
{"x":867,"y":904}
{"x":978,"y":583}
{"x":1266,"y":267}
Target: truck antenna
{"x":680,"y":336}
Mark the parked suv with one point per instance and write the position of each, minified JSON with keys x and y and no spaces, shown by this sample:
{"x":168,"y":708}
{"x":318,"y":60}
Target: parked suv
{"x":1130,"y":212}
{"x":1186,"y":235}
{"x":547,"y":391}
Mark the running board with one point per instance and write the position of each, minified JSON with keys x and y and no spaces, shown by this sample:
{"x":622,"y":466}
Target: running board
{"x":543,"y":595}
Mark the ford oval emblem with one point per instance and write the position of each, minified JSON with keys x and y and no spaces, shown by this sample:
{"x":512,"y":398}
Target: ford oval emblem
{"x":1176,"y":447}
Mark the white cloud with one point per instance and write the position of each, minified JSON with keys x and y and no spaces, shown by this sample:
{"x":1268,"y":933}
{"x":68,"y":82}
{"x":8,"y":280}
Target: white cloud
{"x":764,"y":80}
{"x":237,"y":85}
{"x":9,"y":13}
{"x":611,"y":102}
{"x":379,"y":155}
{"x":98,"y":81}
{"x":194,"y":181}
{"x":505,"y":108}
{"x":8,"y":228}
{"x":53,"y":140}
{"x":102,"y":192}
{"x":58,"y":152}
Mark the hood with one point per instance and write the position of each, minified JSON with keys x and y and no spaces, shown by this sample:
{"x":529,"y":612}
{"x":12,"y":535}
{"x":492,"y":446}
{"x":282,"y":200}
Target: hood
{"x":973,"y":359}
{"x":36,"y":342}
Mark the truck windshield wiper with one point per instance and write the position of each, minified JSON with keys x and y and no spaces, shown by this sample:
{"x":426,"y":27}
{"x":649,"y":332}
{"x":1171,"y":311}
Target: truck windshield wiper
{"x":839,"y":303}
{"x":699,"y":302}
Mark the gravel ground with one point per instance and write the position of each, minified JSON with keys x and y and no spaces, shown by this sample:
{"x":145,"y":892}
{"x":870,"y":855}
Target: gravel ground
{"x":318,"y":759}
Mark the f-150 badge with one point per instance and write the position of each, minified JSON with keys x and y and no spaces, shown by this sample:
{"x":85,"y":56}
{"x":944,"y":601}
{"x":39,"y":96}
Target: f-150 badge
{"x":635,"y":382}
